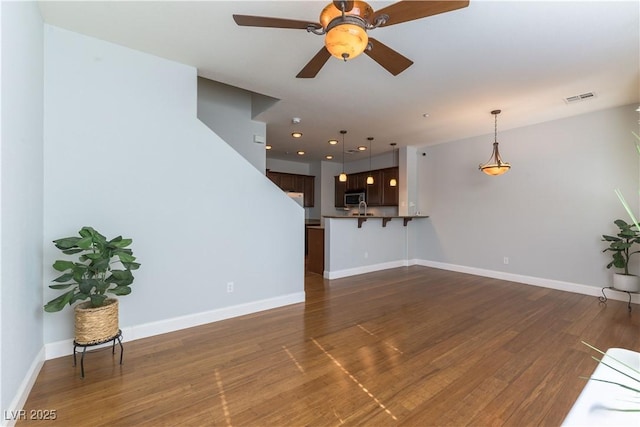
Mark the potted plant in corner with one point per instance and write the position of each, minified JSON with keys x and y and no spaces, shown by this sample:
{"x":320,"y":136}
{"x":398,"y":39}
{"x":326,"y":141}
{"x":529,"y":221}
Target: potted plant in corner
{"x":621,"y":246}
{"x":90,"y":278}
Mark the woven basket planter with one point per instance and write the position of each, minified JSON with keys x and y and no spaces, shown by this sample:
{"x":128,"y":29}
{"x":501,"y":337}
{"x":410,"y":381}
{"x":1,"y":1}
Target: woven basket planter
{"x":93,"y":325}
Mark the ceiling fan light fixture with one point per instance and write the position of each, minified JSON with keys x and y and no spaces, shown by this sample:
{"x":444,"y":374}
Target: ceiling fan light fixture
{"x":345,"y":24}
{"x":346,"y":30}
{"x":346,"y":41}
{"x":495,"y":166}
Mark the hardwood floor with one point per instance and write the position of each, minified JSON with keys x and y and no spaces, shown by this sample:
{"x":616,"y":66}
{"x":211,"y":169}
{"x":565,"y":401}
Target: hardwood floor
{"x":409,"y":346}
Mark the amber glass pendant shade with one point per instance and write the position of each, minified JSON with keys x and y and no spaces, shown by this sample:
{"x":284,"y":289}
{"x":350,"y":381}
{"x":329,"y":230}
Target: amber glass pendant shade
{"x":346,"y":41}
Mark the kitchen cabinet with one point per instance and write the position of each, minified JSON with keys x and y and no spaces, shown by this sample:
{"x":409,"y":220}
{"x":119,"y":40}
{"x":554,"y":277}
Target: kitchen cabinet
{"x":308,"y":190}
{"x":378,"y":194}
{"x":374,"y":193}
{"x":389,"y":193}
{"x":356,"y":181}
{"x":288,"y":182}
{"x":315,"y":259}
{"x":291,"y":182}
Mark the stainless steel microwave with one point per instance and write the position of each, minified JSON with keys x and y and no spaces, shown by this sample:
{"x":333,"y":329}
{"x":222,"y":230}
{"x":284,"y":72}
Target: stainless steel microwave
{"x":353,"y":198}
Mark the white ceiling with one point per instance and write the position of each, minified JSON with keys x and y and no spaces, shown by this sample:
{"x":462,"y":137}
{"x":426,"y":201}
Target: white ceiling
{"x":523,"y":57}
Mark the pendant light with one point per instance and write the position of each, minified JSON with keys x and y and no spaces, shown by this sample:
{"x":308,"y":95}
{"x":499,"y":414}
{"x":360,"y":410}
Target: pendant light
{"x":343,"y":176}
{"x":370,"y":177}
{"x":495,"y":166}
{"x":393,"y":182}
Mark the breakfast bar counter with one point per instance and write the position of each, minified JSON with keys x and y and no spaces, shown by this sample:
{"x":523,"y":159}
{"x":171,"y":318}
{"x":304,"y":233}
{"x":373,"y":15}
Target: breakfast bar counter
{"x":385,"y":218}
{"x":357,"y":244}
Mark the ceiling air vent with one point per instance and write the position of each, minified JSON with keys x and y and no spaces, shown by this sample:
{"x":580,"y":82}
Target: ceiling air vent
{"x":578,"y":98}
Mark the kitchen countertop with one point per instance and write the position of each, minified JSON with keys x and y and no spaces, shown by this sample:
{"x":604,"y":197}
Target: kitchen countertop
{"x":385,"y":218}
{"x":373,"y":216}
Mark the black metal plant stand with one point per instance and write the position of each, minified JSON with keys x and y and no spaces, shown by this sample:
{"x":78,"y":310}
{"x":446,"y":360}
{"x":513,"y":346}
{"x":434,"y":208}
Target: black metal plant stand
{"x":116,"y":337}
{"x":603,"y":298}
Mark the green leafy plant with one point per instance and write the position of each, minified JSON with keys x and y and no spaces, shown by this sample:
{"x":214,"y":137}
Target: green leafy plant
{"x":93,"y":275}
{"x":621,"y":245}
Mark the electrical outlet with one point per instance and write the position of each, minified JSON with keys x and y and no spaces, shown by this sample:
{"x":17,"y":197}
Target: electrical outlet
{"x":229,"y":287}
{"x":505,"y":260}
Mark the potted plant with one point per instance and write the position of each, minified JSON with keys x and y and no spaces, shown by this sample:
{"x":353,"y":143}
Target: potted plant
{"x":621,"y":245}
{"x":90,"y":278}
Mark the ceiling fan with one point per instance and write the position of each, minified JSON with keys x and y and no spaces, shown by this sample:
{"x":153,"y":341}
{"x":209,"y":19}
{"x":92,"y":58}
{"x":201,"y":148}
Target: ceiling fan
{"x":345,"y":24}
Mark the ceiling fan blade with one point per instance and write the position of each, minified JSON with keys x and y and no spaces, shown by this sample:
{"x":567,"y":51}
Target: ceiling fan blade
{"x":348,"y":5}
{"x":388,"y":58}
{"x":404,"y":11}
{"x":263,"y":21}
{"x":313,"y":67}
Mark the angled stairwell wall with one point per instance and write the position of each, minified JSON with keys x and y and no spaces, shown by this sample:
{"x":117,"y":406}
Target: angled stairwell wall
{"x":125,"y":153}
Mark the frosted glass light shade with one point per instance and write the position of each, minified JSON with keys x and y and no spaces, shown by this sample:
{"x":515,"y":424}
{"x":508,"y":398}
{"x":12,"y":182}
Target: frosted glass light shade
{"x":342,"y":177}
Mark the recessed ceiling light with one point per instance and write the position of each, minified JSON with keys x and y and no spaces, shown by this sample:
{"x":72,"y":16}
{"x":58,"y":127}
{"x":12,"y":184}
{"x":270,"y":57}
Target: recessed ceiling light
{"x":300,"y":153}
{"x":297,"y":134}
{"x":333,"y":141}
{"x":268,"y":147}
{"x":361,"y":148}
{"x":328,"y":157}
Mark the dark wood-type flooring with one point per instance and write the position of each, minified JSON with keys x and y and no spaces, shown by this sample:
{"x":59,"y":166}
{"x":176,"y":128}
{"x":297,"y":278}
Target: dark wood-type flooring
{"x":409,"y":346}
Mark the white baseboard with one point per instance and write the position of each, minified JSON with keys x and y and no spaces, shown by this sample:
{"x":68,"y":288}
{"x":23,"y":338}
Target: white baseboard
{"x":65,"y":347}
{"x":337,"y":274}
{"x":14,"y":412}
{"x":530,"y":280}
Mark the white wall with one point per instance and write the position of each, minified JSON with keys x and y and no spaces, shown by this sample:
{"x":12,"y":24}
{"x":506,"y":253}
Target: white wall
{"x":21,"y":199}
{"x":547,"y":214}
{"x":227,"y":110}
{"x":125,"y":153}
{"x":289,"y":166}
